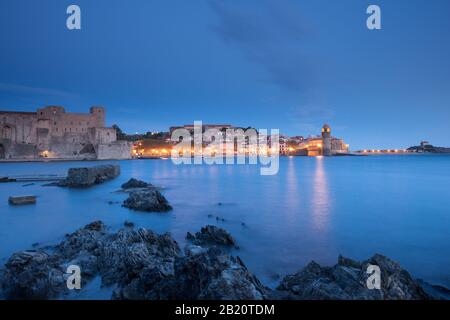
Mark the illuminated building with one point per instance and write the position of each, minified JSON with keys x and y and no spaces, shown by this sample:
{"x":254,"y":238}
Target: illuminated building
{"x":324,"y":145}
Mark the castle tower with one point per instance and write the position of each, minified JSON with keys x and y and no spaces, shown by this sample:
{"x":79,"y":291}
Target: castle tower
{"x":326,"y":140}
{"x":99,"y":114}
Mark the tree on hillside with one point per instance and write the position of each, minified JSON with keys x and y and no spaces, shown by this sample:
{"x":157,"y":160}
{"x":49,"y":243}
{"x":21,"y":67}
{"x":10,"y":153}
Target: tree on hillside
{"x":120,"y":134}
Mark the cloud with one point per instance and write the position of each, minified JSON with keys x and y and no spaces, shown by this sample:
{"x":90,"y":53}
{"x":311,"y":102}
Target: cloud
{"x":308,"y":119}
{"x":27,"y":90}
{"x":269,"y":33}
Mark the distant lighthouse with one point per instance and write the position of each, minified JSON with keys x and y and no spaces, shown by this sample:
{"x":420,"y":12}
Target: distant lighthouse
{"x":326,"y":140}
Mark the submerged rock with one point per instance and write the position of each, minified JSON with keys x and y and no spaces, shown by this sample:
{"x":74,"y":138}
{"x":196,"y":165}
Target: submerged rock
{"x":134,"y":183}
{"x":86,"y":177}
{"x":211,"y":235}
{"x":347,"y":280}
{"x":147,"y":200}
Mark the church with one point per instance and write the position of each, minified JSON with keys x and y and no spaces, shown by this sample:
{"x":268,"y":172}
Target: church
{"x":324,"y":145}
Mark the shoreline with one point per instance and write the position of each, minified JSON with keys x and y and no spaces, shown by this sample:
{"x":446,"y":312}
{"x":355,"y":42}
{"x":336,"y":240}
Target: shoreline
{"x":58,"y":160}
{"x":164,"y":158}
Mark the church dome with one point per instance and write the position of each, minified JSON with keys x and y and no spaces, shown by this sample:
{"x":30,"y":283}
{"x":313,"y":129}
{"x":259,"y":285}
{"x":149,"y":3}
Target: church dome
{"x":326,"y":126}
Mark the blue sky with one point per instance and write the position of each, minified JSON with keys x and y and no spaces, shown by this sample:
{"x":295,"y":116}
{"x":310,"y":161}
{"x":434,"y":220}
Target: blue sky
{"x":285,"y":64}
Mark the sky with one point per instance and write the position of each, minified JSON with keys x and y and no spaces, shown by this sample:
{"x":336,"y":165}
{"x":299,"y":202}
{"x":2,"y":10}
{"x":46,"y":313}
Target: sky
{"x":291,"y":65}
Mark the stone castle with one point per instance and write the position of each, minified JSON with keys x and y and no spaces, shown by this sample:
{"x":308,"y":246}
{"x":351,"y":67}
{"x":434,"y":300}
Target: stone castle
{"x":53,"y":133}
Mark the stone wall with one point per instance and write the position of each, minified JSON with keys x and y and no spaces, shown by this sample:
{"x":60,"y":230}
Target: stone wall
{"x":116,"y":150}
{"x":50,"y":132}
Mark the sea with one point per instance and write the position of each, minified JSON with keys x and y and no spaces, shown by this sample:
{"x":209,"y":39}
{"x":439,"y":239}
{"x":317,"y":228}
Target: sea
{"x":315,"y":208}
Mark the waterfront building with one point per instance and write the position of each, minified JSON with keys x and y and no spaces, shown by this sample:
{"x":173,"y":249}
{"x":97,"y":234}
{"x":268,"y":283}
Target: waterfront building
{"x":323,"y":145}
{"x":51,"y":132}
{"x":190,"y":127}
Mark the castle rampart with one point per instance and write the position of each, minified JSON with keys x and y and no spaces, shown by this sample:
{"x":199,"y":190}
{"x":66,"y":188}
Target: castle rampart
{"x":51,"y":132}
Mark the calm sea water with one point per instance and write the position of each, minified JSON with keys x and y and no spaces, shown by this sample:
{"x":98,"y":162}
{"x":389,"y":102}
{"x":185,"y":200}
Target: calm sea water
{"x":314,"y":209}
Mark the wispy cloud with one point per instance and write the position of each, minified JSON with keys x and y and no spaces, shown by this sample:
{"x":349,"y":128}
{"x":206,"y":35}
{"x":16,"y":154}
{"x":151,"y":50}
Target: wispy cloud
{"x":308,"y":118}
{"x":36,"y":91}
{"x":268,"y":33}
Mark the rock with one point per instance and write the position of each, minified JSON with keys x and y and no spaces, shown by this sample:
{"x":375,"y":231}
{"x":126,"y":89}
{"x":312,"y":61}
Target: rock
{"x":147,"y":200}
{"x":192,"y":249}
{"x":347,"y":281}
{"x":117,"y":257}
{"x":134,"y":183}
{"x":128,"y":224}
{"x":190,"y":236}
{"x":211,"y":235}
{"x":22,"y":200}
{"x":84,"y":240}
{"x":32,"y":275}
{"x":346,"y":262}
{"x":435,"y":291}
{"x":86,"y":177}
{"x":60,"y":183}
{"x":140,"y":264}
{"x":127,"y":253}
{"x":207,"y":274}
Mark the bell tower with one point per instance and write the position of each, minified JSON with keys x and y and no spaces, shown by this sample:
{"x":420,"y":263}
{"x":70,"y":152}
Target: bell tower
{"x":326,"y":131}
{"x":326,"y":140}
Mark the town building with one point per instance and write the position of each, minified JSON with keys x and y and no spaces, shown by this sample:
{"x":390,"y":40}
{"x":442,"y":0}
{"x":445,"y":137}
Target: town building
{"x":53,"y":133}
{"x":324,"y":145}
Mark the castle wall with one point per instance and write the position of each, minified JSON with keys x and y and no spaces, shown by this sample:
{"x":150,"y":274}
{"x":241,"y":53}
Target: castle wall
{"x":53,"y":133}
{"x":116,"y":150}
{"x":19,"y":127}
{"x":103,"y":135}
{"x":10,"y":150}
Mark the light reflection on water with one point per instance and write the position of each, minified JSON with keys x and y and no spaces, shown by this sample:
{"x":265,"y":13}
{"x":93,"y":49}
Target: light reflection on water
{"x":314,"y":209}
{"x":322,"y":201}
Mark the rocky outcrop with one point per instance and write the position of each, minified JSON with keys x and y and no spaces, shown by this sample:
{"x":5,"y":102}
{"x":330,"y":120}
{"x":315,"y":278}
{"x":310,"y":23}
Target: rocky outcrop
{"x":86,"y":177}
{"x":140,"y":264}
{"x":38,"y":274}
{"x":137,"y":262}
{"x":134,"y":184}
{"x":147,"y":200}
{"x":347,"y":280}
{"x":32,"y":274}
{"x":211,"y":235}
{"x":210,"y":274}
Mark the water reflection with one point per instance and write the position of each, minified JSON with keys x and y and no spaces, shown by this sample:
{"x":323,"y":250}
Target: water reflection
{"x":321,"y":201}
{"x":292,"y":194}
